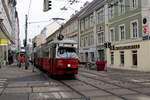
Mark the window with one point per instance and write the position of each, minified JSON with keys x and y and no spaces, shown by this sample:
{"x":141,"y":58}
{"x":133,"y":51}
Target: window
{"x":86,"y":41}
{"x":134,"y":29}
{"x":92,"y":57}
{"x":134,"y":4}
{"x":112,"y":35}
{"x":122,"y":32}
{"x":100,"y":16}
{"x":82,"y":25}
{"x":122,"y":57}
{"x":91,"y":20}
{"x":121,"y":7}
{"x":134,"y":58}
{"x":82,"y":42}
{"x":87,"y":22}
{"x":101,"y":37}
{"x":111,"y":12}
{"x":89,"y":40}
{"x":92,"y":40}
{"x":112,"y":58}
{"x":65,"y":52}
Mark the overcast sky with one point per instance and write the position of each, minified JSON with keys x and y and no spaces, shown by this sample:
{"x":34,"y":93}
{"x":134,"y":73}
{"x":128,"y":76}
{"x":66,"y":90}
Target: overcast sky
{"x":35,"y":13}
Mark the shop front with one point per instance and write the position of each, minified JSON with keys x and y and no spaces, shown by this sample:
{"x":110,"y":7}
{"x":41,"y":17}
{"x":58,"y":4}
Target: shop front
{"x":3,"y":50}
{"x":130,"y":56}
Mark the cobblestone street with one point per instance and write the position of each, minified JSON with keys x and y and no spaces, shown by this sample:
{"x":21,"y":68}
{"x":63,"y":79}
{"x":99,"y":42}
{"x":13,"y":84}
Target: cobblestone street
{"x":20,"y":84}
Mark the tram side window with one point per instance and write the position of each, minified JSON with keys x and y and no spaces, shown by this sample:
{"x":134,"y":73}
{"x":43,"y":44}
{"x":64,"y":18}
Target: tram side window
{"x":52,"y":52}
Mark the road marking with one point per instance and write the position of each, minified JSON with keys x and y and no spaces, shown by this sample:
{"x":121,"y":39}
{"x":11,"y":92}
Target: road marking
{"x":141,"y":80}
{"x":3,"y":79}
{"x":2,"y":82}
{"x":57,"y":95}
{"x":43,"y":95}
{"x":89,"y":74}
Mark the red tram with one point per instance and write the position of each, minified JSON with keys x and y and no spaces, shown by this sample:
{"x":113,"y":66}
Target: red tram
{"x":57,"y":57}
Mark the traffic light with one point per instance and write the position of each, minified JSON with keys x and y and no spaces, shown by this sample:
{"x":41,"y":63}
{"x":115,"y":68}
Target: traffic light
{"x":24,"y":42}
{"x":107,"y":44}
{"x":34,"y":45}
{"x":60,"y":37}
{"x":47,"y":5}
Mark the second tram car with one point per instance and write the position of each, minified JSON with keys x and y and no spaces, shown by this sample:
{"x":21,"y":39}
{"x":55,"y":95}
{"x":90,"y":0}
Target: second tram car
{"x":57,"y":57}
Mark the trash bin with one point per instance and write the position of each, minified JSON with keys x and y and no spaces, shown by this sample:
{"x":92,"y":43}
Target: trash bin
{"x":100,"y":65}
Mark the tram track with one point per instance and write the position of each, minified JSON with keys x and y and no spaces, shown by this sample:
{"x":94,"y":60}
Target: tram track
{"x":87,"y":80}
{"x":121,"y":80}
{"x":83,"y":97}
{"x":114,"y":84}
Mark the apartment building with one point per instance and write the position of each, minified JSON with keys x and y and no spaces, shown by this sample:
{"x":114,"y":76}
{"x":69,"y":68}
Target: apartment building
{"x":70,"y":28}
{"x":129,"y":26}
{"x":92,"y":32}
{"x":125,"y":25}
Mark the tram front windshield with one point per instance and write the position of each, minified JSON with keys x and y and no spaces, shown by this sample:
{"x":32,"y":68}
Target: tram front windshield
{"x":66,"y":52}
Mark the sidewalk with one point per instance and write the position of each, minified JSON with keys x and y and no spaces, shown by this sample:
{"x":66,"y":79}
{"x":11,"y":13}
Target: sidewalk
{"x":16,"y":83}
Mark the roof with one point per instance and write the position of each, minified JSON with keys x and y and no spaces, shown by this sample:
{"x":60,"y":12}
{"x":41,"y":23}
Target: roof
{"x":91,"y":6}
{"x":77,"y":14}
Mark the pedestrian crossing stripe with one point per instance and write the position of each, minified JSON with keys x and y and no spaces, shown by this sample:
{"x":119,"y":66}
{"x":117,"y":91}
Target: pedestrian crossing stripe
{"x":3,"y":79}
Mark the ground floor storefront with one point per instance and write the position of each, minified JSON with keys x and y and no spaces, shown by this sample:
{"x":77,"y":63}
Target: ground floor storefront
{"x":130,"y":56}
{"x":3,"y":50}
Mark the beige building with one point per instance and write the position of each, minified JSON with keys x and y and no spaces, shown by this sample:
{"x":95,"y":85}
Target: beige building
{"x":70,"y":28}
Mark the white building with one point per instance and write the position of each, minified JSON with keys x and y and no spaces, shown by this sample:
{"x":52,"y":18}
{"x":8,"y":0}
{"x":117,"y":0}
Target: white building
{"x":50,"y":29}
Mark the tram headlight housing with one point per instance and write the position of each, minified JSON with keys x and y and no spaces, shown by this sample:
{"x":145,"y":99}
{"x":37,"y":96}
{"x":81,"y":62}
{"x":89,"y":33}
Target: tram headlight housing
{"x":68,"y":65}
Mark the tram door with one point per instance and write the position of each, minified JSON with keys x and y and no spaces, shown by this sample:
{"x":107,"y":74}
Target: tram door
{"x":86,"y":56}
{"x":52,"y":58}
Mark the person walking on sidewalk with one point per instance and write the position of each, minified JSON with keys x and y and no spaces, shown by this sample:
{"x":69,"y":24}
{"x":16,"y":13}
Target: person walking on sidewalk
{"x":21,"y":59}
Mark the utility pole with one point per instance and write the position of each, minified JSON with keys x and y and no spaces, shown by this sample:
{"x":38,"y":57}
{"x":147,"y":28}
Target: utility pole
{"x":25,"y":42}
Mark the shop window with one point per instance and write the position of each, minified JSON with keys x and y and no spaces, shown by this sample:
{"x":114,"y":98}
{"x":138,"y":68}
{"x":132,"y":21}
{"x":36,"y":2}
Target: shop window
{"x":101,"y":55}
{"x":134,"y":58}
{"x":112,"y":58}
{"x":122,"y":57}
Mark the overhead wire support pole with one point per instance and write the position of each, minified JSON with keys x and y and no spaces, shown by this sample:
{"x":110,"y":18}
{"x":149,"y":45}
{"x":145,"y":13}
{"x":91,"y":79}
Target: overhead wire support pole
{"x":25,"y":44}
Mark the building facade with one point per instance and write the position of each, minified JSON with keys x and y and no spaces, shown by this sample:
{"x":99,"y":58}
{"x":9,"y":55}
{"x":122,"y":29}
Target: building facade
{"x":129,"y":35}
{"x":92,"y":32}
{"x":9,"y":27}
{"x":125,"y":25}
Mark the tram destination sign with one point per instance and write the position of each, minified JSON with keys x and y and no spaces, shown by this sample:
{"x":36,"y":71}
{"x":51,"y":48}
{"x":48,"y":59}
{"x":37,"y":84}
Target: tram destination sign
{"x":125,"y":47}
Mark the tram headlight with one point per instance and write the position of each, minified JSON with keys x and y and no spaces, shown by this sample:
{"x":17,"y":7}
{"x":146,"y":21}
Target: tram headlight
{"x":68,"y":65}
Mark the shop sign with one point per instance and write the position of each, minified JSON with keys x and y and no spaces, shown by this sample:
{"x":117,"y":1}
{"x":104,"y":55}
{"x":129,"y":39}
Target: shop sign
{"x":3,"y":41}
{"x":125,"y":47}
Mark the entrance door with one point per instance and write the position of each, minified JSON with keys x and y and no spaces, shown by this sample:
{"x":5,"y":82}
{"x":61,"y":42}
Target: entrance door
{"x":101,"y":55}
{"x":86,"y":57}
